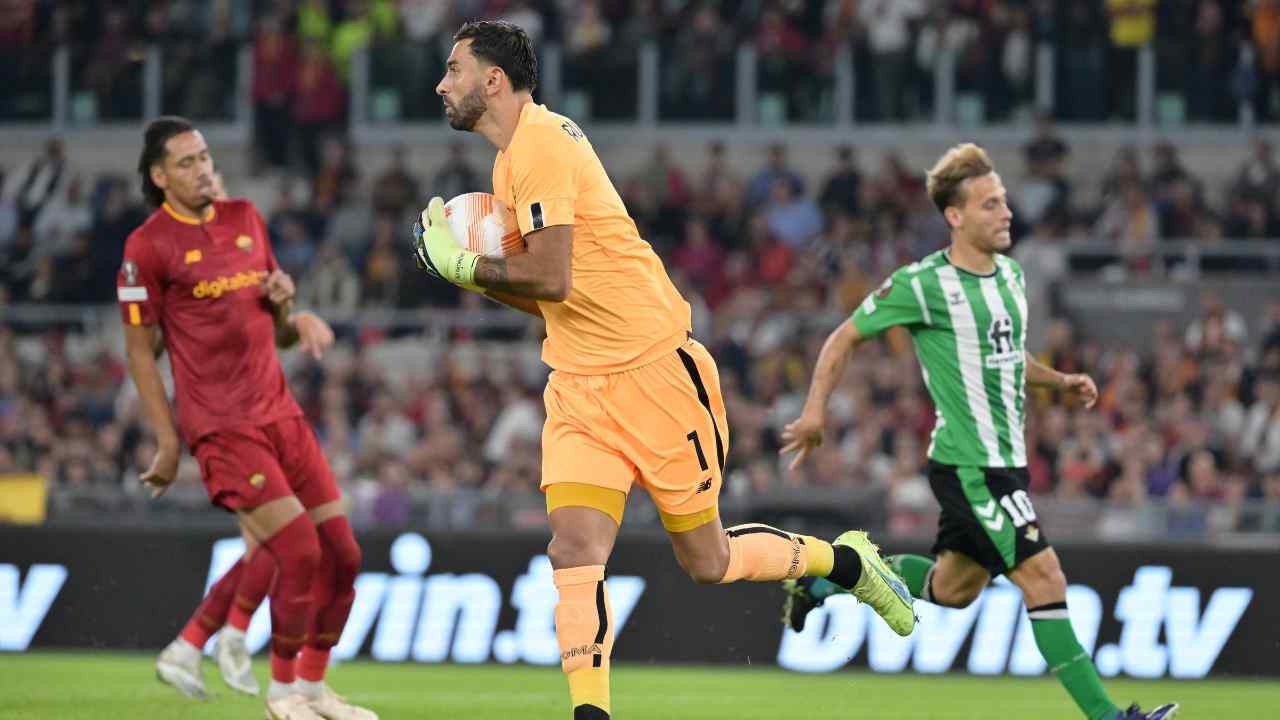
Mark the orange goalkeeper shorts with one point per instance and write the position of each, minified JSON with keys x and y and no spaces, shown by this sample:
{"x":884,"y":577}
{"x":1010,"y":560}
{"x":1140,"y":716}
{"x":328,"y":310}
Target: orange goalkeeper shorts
{"x":662,"y":425}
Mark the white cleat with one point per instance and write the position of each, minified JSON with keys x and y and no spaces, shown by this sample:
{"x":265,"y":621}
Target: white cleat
{"x":290,"y":707}
{"x":179,"y":666}
{"x":233,"y":661}
{"x":332,"y":706}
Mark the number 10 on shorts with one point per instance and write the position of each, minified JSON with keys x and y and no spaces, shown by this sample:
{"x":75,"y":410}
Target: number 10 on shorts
{"x":1018,"y":505}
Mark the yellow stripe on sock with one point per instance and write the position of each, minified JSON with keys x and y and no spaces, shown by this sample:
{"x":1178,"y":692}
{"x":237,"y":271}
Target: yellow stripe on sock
{"x":821,"y":558}
{"x":590,"y":686}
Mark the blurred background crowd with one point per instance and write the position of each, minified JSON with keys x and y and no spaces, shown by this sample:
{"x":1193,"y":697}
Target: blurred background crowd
{"x":769,"y":265}
{"x":1209,"y":54}
{"x":770,"y":259}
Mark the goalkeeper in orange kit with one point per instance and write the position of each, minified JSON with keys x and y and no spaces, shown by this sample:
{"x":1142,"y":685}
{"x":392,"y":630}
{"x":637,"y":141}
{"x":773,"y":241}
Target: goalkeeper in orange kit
{"x":632,"y":397}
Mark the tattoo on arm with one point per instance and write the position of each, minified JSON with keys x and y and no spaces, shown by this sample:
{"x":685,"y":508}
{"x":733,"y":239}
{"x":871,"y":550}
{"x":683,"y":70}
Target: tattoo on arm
{"x":492,"y":273}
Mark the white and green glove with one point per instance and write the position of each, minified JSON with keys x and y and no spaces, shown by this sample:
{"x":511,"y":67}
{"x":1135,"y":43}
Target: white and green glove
{"x":436,"y":251}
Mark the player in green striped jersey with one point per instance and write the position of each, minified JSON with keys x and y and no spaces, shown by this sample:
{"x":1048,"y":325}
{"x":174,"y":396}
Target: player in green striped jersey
{"x":966,"y":310}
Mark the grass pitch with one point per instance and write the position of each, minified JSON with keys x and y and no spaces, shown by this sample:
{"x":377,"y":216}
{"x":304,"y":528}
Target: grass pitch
{"x":116,"y":686}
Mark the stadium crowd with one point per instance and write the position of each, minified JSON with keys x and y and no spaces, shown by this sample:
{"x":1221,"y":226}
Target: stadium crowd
{"x":308,"y":45}
{"x":1194,"y":416}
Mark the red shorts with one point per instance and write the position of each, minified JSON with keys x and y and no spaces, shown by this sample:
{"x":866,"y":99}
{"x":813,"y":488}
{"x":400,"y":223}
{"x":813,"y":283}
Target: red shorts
{"x":246,"y":467}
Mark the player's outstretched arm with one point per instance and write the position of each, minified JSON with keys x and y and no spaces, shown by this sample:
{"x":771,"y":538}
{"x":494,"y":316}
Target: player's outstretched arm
{"x":544,"y":272}
{"x":805,"y":432}
{"x":139,"y":344}
{"x":1077,"y":387}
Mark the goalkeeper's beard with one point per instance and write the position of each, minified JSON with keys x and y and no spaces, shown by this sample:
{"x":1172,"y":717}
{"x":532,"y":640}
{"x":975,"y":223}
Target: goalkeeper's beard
{"x":468,"y":110}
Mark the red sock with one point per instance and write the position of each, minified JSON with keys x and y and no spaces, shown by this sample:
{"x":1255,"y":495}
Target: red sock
{"x":254,"y":583}
{"x":283,"y":669}
{"x":333,"y":591}
{"x":212,"y":613}
{"x":296,"y":548}
{"x":312,"y":662}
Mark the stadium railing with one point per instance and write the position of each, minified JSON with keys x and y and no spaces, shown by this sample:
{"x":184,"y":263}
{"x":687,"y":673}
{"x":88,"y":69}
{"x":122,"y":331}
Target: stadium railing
{"x":390,"y":98}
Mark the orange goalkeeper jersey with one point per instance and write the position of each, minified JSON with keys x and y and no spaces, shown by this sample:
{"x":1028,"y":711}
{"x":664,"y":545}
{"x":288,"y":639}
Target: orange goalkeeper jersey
{"x":623,"y":311}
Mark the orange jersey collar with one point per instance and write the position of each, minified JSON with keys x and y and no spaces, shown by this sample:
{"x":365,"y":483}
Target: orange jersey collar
{"x":187,"y":219}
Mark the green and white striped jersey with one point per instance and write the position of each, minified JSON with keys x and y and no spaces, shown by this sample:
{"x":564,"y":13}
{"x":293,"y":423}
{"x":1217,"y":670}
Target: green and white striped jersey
{"x":968,"y":331}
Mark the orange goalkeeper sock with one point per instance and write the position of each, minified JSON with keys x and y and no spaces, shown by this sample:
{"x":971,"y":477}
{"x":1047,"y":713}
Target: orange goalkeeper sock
{"x":584,"y":627}
{"x":762,"y":553}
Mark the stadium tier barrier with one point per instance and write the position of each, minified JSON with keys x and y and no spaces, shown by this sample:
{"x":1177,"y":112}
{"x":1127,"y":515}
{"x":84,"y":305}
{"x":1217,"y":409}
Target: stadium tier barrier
{"x":1143,"y":611}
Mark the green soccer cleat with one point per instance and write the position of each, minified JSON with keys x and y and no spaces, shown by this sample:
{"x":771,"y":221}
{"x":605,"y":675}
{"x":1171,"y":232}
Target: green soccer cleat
{"x":879,"y":587}
{"x":798,"y":602}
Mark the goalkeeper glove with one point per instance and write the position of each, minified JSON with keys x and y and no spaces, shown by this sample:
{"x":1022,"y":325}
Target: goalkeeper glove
{"x":438,"y":253}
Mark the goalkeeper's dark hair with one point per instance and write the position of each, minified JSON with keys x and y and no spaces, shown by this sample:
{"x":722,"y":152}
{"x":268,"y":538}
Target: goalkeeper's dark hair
{"x":506,"y":45}
{"x":156,"y":135}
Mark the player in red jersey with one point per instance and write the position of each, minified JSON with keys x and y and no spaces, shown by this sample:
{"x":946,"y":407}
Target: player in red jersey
{"x":199,"y":276}
{"x":226,"y":609}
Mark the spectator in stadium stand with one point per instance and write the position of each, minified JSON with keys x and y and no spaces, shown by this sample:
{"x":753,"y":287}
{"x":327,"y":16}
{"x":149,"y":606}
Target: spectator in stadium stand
{"x":363,"y":23}
{"x":888,"y":28}
{"x":119,"y":215}
{"x":319,"y":103}
{"x":332,"y":283}
{"x":1046,"y":145}
{"x":1131,"y":222}
{"x":842,"y":188}
{"x":1181,"y":217}
{"x":1260,"y":438}
{"x":1214,"y":51}
{"x":793,"y":218}
{"x":395,"y":190}
{"x":1217,"y":331}
{"x":776,"y":167}
{"x":294,"y":248}
{"x":718,"y":195}
{"x":1125,"y":169}
{"x":1266,"y":41}
{"x":33,"y":184}
{"x":1045,"y":190}
{"x":1258,"y":182}
{"x":381,"y":284}
{"x":1167,"y":170}
{"x":456,"y":175}
{"x":666,"y":183}
{"x":275,"y":73}
{"x":1133,"y":24}
{"x":65,"y":217}
{"x":698,"y":256}
{"x":333,"y":183}
{"x":106,"y":65}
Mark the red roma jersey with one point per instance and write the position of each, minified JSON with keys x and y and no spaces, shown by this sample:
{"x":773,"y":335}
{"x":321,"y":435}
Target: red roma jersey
{"x":201,"y":282}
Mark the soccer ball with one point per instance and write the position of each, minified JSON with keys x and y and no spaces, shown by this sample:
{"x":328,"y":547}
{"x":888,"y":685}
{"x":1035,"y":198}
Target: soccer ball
{"x":482,"y":224}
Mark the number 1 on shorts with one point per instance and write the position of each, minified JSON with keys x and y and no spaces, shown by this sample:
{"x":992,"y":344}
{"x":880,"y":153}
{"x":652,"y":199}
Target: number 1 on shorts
{"x":697,"y":446}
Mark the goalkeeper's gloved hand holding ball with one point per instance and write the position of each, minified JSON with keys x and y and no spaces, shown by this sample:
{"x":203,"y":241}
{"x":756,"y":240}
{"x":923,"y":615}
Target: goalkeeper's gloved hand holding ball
{"x":436,"y":251}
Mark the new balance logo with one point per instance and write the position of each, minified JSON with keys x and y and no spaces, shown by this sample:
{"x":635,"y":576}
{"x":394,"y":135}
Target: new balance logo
{"x":990,"y":515}
{"x":704,"y":486}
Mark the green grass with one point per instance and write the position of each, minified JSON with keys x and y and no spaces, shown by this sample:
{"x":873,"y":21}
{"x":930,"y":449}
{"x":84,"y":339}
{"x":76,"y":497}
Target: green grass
{"x":119,"y":686}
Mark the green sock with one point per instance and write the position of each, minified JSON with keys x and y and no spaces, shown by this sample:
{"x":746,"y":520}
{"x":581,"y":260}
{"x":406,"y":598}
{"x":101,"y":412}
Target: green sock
{"x":821,"y":588}
{"x":1069,"y":662}
{"x":914,"y":571}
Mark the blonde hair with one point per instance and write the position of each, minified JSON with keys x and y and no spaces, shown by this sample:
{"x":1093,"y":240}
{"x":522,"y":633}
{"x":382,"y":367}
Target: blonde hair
{"x":946,"y":178}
